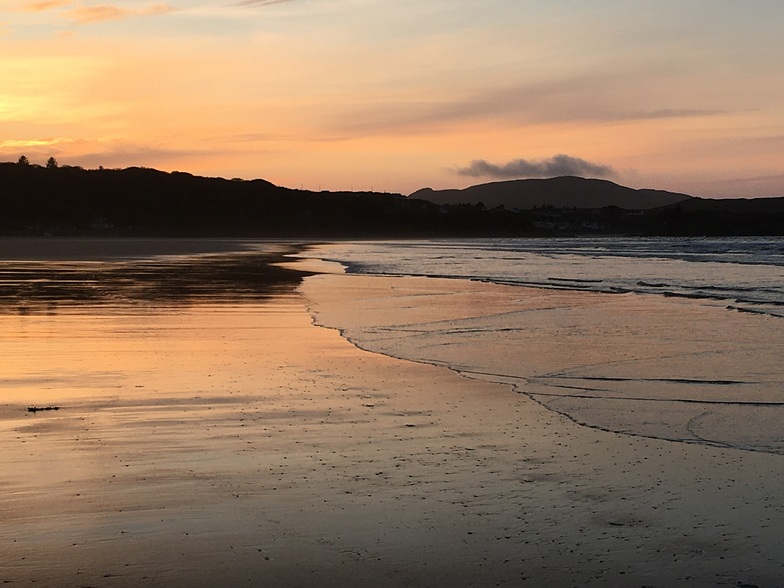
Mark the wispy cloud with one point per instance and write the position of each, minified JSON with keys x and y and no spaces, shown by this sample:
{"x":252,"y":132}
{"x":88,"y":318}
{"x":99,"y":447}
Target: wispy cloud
{"x":87,"y":14}
{"x":259,"y":2}
{"x":90,"y":14}
{"x":16,"y":143}
{"x":559,"y":165}
{"x":38,"y":149}
{"x":92,"y":153}
{"x":128,"y":154}
{"x":46,"y":5}
{"x":84,"y":13}
{"x":567,"y":101}
{"x":251,"y":137}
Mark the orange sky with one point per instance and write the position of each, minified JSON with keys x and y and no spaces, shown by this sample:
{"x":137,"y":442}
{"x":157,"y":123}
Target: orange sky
{"x":342,"y":94}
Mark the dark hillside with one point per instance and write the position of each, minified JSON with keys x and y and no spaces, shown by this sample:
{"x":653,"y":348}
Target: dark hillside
{"x":561,"y":192}
{"x":144,"y":202}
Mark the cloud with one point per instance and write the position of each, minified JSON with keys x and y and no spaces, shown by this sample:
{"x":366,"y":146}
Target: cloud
{"x":37,"y":149}
{"x":603,"y":98}
{"x":245,"y":3}
{"x":46,"y":5}
{"x":16,"y":144}
{"x":102,"y":12}
{"x":251,"y":137}
{"x":559,"y":165}
{"x":130,"y":154}
{"x":87,"y":14}
{"x":93,"y":153}
{"x":82,"y":13}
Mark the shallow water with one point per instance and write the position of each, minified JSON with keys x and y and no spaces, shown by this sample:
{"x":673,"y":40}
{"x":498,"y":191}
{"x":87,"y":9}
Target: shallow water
{"x":744,"y":273}
{"x":583,"y":327}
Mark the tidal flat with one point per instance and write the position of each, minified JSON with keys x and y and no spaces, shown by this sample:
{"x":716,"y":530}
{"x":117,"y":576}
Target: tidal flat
{"x":216,"y":435}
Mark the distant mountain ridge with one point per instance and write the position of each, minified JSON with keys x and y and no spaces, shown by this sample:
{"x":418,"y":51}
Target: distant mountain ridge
{"x":559,"y":192}
{"x":143,"y":202}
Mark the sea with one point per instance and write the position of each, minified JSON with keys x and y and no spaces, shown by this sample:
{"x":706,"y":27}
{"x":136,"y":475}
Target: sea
{"x":679,"y":339}
{"x":745,"y":274}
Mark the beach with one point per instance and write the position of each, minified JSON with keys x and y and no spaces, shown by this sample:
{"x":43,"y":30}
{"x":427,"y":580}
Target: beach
{"x":272,"y":441}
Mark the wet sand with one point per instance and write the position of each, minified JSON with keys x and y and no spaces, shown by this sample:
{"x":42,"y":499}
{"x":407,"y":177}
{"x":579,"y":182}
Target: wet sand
{"x":647,"y":365}
{"x":97,"y":249}
{"x":239,"y":444}
{"x":675,"y":483}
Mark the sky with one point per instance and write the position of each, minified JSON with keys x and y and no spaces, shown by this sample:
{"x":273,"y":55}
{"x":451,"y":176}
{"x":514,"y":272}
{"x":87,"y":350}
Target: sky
{"x":394,"y":96}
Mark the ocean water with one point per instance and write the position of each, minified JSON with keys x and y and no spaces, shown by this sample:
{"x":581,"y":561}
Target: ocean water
{"x":746,"y":274}
{"x":677,"y":339}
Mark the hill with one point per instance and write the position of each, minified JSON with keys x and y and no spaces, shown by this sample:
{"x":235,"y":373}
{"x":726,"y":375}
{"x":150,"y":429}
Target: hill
{"x":68,"y":200}
{"x":72,"y":201}
{"x":561,"y":192}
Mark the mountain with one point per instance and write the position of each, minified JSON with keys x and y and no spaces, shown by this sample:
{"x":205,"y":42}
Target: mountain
{"x":561,"y":192}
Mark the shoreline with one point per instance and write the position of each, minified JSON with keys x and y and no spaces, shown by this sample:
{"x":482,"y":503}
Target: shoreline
{"x":238,"y":444}
{"x":623,"y":363}
{"x":649,"y":502}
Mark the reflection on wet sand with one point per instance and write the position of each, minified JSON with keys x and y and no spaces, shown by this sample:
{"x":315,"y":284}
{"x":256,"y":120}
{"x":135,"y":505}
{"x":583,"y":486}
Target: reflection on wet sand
{"x":46,"y":285}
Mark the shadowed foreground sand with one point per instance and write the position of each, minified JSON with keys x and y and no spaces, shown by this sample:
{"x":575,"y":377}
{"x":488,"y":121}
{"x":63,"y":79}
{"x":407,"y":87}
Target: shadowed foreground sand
{"x":241,"y":445}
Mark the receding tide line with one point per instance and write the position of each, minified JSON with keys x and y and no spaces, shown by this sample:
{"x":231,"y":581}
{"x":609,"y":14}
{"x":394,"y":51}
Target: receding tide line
{"x":519,"y":387}
{"x":643,"y":399}
{"x":667,"y":380}
{"x":608,"y":379}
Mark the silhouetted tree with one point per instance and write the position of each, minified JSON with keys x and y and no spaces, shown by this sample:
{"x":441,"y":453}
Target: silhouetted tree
{"x":51,"y":163}
{"x":23,"y":160}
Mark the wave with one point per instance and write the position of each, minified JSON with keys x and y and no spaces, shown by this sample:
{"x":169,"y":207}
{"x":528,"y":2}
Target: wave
{"x":743,"y":273}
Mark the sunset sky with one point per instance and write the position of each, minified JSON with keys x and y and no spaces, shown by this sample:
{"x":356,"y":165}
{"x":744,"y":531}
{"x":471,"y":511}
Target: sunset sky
{"x":389,"y":95}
